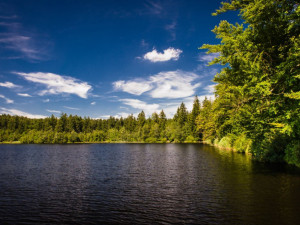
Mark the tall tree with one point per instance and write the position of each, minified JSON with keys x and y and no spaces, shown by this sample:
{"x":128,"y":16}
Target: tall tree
{"x":258,"y":92}
{"x":181,"y":115}
{"x":192,"y":118}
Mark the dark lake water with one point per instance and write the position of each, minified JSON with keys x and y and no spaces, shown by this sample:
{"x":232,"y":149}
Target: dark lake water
{"x":143,"y":184}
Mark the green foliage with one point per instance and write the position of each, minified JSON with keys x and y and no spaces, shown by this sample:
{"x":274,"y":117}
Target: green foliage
{"x":292,"y":153}
{"x":151,"y":140}
{"x":74,"y":129}
{"x":225,"y":142}
{"x":190,"y":139}
{"x":242,"y":144}
{"x":257,"y":91}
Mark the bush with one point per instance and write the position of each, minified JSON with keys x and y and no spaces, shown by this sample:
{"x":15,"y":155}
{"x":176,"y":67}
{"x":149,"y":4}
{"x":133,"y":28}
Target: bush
{"x":242,"y":144}
{"x":163,"y":140}
{"x":225,"y":142}
{"x":190,"y":139}
{"x":151,"y":140}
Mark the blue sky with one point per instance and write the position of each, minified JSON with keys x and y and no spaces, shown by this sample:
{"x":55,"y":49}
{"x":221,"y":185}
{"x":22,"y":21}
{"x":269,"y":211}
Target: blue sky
{"x":101,"y":58}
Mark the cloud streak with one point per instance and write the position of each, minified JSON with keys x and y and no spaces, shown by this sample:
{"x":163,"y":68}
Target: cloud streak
{"x":8,"y":84}
{"x":72,"y":108}
{"x":168,"y":54}
{"x":58,"y":84}
{"x":141,"y":105}
{"x":24,"y":95}
{"x":208,"y":57}
{"x":53,"y":111}
{"x":20,"y":113}
{"x":8,"y":101}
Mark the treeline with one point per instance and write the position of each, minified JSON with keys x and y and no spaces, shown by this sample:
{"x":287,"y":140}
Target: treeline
{"x":72,"y":129}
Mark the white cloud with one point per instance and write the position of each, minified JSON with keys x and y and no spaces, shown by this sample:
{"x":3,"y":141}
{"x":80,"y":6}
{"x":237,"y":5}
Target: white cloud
{"x":8,"y":84}
{"x":168,"y":54}
{"x":24,"y":95}
{"x":137,"y":104}
{"x":208,"y":57}
{"x":122,"y":114}
{"x":170,"y":84}
{"x":135,"y":87}
{"x":173,"y":84}
{"x":8,"y":101}
{"x":46,"y":100}
{"x":102,"y":117}
{"x":57,"y":84}
{"x":93,"y":103}
{"x":71,"y":108}
{"x":20,"y":113}
{"x":53,"y":111}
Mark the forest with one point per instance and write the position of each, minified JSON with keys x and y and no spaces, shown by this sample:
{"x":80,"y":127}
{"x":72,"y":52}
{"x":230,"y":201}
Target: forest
{"x":256,"y":108}
{"x":72,"y":129}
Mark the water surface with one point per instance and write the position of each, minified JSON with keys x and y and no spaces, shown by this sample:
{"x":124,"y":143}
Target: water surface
{"x":143,"y":184}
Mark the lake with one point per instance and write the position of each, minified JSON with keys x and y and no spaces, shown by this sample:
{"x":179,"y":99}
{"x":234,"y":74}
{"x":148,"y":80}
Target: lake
{"x":143,"y":184}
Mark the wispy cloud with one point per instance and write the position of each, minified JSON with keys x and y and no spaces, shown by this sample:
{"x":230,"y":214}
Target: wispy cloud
{"x":8,"y":101}
{"x":154,"y":7}
{"x":103,"y":117}
{"x":58,"y":84}
{"x":53,"y":111}
{"x":208,"y":57}
{"x":144,"y":43}
{"x":73,"y":108}
{"x":24,"y":95}
{"x":20,"y":113}
{"x":123,"y":115}
{"x":22,"y":42}
{"x":210,"y":88}
{"x":8,"y":84}
{"x":170,"y":84}
{"x":168,"y":54}
{"x":93,"y":103}
{"x":9,"y":17}
{"x":141,"y":105}
{"x":46,"y":100}
{"x":171,"y":28}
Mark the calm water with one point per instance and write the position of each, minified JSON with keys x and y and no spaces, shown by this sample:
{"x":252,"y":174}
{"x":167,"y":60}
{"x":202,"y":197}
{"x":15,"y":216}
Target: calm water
{"x":142,"y":184}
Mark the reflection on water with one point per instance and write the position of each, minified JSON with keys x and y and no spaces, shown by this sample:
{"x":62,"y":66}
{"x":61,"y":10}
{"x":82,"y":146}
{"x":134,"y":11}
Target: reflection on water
{"x":143,"y":184}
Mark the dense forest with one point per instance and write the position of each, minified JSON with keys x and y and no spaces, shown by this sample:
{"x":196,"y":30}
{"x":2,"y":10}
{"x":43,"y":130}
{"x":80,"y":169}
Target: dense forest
{"x":256,"y":109}
{"x":70,"y":129}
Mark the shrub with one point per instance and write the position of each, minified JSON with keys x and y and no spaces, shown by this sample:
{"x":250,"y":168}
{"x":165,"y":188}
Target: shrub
{"x":242,"y":144}
{"x":225,"y":142}
{"x":151,"y":140}
{"x":190,"y":139}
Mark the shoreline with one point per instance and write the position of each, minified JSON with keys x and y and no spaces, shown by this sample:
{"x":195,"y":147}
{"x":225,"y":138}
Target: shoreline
{"x":102,"y":142}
